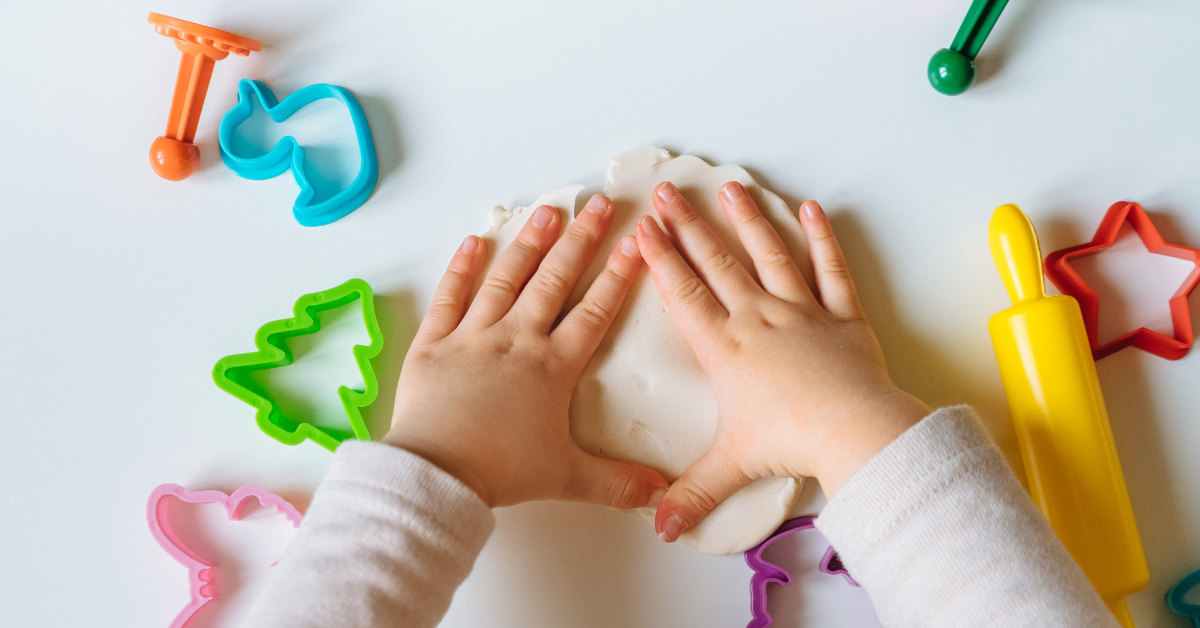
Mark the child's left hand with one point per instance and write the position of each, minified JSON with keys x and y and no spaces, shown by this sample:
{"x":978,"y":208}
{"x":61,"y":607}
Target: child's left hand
{"x":486,"y":385}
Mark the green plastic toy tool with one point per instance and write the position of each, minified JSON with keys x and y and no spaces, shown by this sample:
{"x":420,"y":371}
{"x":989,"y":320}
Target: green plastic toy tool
{"x":952,"y":70}
{"x":232,"y":373}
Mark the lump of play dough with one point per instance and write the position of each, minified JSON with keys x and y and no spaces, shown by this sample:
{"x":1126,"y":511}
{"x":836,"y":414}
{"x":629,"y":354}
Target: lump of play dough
{"x":643,"y":396}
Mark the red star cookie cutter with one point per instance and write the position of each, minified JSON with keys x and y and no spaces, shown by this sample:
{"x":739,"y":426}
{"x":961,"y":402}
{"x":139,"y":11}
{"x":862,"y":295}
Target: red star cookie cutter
{"x":1068,"y":281}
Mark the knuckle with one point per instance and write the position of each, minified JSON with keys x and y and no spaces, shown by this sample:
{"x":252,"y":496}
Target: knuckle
{"x":619,"y":270}
{"x":526,"y":245}
{"x":458,"y":272}
{"x":658,"y":251}
{"x":505,"y":344}
{"x":582,"y":233}
{"x":499,"y":283}
{"x":683,"y":215}
{"x":822,"y":235}
{"x":835,"y":266}
{"x":700,"y":499}
{"x":762,"y":321}
{"x":689,"y":291}
{"x":719,"y":262}
{"x":623,"y":490}
{"x":445,"y":301}
{"x":593,"y":313}
{"x":419,"y":352}
{"x":654,"y":247}
{"x":553,"y":280}
{"x":554,"y":361}
{"x":775,"y":258}
{"x":749,"y":216}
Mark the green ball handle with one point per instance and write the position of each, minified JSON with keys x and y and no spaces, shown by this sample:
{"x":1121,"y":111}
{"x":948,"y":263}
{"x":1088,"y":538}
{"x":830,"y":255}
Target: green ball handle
{"x":952,"y":70}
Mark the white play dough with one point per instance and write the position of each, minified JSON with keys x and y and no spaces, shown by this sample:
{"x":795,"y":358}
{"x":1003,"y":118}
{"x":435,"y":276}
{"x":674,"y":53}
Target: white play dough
{"x":643,"y":396}
{"x":507,"y":223}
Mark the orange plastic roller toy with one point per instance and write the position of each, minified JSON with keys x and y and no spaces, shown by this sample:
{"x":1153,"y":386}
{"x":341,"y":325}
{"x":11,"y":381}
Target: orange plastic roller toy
{"x":173,"y":155}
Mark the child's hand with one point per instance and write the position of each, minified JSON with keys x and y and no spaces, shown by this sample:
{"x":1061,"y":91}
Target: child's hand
{"x":486,"y":384}
{"x":800,"y":381}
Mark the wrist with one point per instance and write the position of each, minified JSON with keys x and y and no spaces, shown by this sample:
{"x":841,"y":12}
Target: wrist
{"x":871,"y":429}
{"x":441,"y":458}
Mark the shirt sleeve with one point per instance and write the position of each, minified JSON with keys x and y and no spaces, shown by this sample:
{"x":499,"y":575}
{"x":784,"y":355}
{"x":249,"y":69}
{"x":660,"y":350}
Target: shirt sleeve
{"x":939,"y":533}
{"x":386,"y":541}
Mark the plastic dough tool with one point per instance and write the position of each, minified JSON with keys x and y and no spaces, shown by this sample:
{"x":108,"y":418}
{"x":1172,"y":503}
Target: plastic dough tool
{"x":173,"y":155}
{"x":766,"y":572}
{"x":232,"y":373}
{"x":952,"y":70}
{"x":202,"y":573}
{"x":1061,"y":423}
{"x":289,"y":155}
{"x":1176,"y":594}
{"x":1069,"y":282}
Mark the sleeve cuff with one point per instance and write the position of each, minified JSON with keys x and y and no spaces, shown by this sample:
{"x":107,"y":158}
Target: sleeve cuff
{"x":902,"y":476}
{"x":405,"y":477}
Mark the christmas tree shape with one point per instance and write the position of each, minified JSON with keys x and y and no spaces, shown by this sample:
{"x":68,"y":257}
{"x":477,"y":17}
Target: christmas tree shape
{"x":232,"y":373}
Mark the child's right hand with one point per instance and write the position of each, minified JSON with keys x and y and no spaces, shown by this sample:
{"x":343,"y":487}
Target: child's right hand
{"x":799,"y":378}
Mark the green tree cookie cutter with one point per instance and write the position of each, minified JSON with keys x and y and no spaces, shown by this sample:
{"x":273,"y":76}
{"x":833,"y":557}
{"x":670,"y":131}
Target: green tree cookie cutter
{"x":232,"y":373}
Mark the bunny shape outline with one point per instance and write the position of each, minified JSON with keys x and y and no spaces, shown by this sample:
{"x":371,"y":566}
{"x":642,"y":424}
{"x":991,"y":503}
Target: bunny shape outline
{"x":200,"y":572}
{"x":287,"y":154}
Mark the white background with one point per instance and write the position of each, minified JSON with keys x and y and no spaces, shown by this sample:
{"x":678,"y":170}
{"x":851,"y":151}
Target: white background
{"x":123,"y":289}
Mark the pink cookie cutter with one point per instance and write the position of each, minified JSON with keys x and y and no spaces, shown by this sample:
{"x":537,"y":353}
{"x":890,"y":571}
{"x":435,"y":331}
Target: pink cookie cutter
{"x":200,"y":573}
{"x":766,"y":572}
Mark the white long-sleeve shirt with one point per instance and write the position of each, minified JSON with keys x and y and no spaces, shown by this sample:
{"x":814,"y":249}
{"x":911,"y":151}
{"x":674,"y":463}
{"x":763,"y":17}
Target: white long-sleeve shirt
{"x":935,"y":528}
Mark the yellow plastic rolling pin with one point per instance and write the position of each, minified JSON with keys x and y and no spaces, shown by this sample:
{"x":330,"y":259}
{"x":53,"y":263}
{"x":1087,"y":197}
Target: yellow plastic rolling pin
{"x":1058,"y":411}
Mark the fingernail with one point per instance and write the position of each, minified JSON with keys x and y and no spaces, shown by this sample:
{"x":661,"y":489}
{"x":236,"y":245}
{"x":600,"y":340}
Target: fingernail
{"x":656,"y":497}
{"x":733,"y":191}
{"x":541,"y":217}
{"x":630,"y":248}
{"x":647,"y":225}
{"x":469,"y":245}
{"x":597,"y":204}
{"x":672,"y":528}
{"x":812,"y":209}
{"x":667,"y":192}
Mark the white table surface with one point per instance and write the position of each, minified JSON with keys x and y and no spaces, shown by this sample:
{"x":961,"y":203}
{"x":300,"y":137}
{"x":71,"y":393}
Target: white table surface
{"x":124,"y":289}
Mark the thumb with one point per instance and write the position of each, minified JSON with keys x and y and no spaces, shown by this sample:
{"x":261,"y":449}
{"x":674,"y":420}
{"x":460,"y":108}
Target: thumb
{"x":623,"y":485}
{"x":701,"y":488}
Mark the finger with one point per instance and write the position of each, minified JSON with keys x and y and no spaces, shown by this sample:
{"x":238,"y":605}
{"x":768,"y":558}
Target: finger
{"x":713,"y":263}
{"x":834,"y":284}
{"x":544,"y":297}
{"x":513,"y":268}
{"x":454,"y":292}
{"x":705,"y":484}
{"x":585,"y":325}
{"x":693,"y":308}
{"x":606,"y":482}
{"x":777,"y":271}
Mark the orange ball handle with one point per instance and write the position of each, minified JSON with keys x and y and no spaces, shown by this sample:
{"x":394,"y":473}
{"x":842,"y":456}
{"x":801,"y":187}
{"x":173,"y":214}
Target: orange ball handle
{"x":173,"y":156}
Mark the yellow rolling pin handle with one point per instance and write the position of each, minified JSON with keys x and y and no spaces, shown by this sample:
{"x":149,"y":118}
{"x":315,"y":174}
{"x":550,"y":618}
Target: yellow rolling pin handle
{"x":1061,"y":424}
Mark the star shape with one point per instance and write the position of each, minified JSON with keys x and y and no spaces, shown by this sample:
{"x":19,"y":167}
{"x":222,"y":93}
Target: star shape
{"x":1069,"y":282}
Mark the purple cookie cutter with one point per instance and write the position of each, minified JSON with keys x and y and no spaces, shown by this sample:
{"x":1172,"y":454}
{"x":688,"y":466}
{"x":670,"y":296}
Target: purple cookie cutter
{"x":201,"y":574}
{"x":767,"y":572}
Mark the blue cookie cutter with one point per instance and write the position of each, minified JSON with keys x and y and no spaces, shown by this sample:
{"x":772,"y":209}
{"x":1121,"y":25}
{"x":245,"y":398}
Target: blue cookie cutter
{"x":1175,"y":595}
{"x":287,"y":154}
